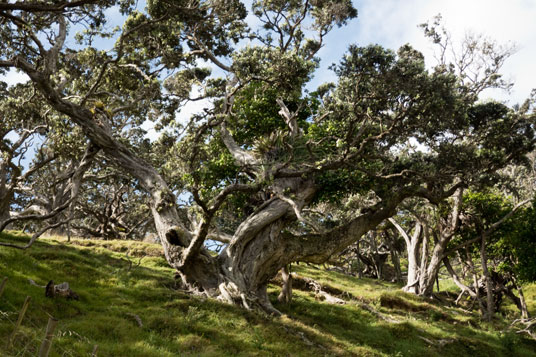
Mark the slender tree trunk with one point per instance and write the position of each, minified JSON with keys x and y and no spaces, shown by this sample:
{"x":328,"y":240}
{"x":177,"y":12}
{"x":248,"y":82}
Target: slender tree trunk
{"x":285,"y":296}
{"x":433,"y":269}
{"x":412,"y":248}
{"x":412,"y":285}
{"x":464,"y":288}
{"x":522,"y":303}
{"x":476,"y":286}
{"x":490,"y":303}
{"x":445,"y":234}
{"x":424,"y":259}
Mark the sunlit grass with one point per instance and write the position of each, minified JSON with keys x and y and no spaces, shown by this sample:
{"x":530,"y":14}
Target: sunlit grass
{"x":112,"y":293}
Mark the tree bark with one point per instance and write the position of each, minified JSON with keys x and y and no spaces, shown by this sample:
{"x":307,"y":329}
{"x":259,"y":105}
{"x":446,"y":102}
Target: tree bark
{"x":490,"y":303}
{"x":464,"y":288}
{"x":412,"y":246}
{"x":395,"y":259}
{"x":285,"y":297}
{"x":431,"y":272}
{"x":522,"y":303}
{"x":445,"y":234}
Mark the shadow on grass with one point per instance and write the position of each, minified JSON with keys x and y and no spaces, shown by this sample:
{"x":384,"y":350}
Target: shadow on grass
{"x":110,"y":297}
{"x":174,"y":323}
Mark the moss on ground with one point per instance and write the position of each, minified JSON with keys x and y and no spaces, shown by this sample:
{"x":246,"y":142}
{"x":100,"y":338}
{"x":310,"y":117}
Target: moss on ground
{"x":114,"y":293}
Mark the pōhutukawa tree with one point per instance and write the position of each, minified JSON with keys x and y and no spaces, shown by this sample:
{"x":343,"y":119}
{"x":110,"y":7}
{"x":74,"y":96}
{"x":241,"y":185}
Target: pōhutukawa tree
{"x":110,"y":206}
{"x":264,"y":150}
{"x":37,"y":181}
{"x":19,"y":132}
{"x":493,"y":233}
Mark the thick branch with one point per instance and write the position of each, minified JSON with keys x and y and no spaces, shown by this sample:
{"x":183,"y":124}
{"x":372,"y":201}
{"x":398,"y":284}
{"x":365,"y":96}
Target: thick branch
{"x":290,"y":118}
{"x":317,"y":248}
{"x":45,"y":7}
{"x":241,"y":156}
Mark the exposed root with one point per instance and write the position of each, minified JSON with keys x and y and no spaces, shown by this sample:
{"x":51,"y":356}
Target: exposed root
{"x":525,"y":326}
{"x":285,"y":297}
{"x":322,"y":293}
{"x":376,"y":313}
{"x":229,"y":293}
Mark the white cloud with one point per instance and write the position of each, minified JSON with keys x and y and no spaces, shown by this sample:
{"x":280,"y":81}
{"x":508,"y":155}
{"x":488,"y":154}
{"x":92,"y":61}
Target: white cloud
{"x":392,"y":23}
{"x":13,"y":77}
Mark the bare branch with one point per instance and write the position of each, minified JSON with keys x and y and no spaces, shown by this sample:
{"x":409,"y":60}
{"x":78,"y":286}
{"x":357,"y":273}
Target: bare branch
{"x":290,"y":118}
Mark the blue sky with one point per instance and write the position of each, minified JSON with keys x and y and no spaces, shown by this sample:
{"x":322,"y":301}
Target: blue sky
{"x":393,"y":23}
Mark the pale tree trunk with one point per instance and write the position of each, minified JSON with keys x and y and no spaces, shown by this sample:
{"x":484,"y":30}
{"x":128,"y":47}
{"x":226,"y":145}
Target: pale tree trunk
{"x":490,"y":303}
{"x":285,"y":297}
{"x":464,"y":288}
{"x":522,"y":303}
{"x":412,"y":246}
{"x":432,"y":270}
{"x":424,"y":256}
{"x":445,"y":234}
{"x":412,"y":285}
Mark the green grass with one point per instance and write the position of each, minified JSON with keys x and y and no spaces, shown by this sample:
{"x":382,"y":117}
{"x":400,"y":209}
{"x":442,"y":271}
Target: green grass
{"x":175,"y":324}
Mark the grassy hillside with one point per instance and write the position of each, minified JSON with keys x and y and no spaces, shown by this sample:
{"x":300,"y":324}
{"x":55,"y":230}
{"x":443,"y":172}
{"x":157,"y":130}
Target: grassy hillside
{"x":378,"y":321}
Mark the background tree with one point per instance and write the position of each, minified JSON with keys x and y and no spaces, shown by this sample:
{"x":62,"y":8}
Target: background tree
{"x":111,"y":207}
{"x":43,"y":162}
{"x":489,"y":229}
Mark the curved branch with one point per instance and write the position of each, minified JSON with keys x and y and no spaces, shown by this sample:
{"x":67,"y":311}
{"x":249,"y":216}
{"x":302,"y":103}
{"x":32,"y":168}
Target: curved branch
{"x":44,"y":7}
{"x":209,"y":54}
{"x":35,"y":236}
{"x":241,"y":156}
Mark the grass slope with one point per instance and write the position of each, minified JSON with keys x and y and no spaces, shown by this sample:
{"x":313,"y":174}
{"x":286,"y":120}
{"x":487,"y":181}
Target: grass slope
{"x":112,"y":293}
